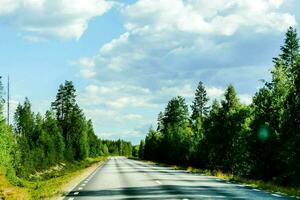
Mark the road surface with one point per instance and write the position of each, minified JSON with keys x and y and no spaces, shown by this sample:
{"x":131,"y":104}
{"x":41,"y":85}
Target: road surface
{"x":121,"y":178}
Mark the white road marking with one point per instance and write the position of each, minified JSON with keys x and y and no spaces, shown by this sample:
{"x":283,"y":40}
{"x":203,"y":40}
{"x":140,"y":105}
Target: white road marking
{"x":158,"y":182}
{"x":257,"y":190}
{"x":82,"y":184}
{"x":76,"y":193}
{"x":241,"y":186}
{"x":276,"y":195}
{"x":71,"y":198}
{"x":80,"y":188}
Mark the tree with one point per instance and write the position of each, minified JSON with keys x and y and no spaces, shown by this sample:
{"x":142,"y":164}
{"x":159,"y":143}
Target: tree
{"x":141,"y":149}
{"x":290,"y":50}
{"x":263,"y":140}
{"x":152,"y":145}
{"x":199,"y":106}
{"x":199,"y":111}
{"x":176,"y":132}
{"x":51,"y":127}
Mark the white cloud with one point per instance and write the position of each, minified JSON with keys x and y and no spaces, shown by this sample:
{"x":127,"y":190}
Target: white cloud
{"x":116,"y":95}
{"x":245,"y":98}
{"x":104,"y":116}
{"x":219,"y":17}
{"x":66,"y":19}
{"x":185,"y":90}
{"x":215,"y":93}
{"x":87,"y":67}
{"x":169,"y":45}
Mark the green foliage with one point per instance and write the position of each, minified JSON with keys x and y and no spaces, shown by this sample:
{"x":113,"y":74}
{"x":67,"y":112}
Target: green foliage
{"x":117,"y":148}
{"x":142,"y":149}
{"x":199,"y":106}
{"x":259,"y":141}
{"x":41,"y":142}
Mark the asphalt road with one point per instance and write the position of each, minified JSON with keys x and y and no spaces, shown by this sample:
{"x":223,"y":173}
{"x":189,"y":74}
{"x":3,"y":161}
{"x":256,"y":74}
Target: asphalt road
{"x":121,"y":178}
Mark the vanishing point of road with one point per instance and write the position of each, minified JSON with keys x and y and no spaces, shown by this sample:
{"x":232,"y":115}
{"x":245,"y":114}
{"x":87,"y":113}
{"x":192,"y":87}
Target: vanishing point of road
{"x":121,"y":178}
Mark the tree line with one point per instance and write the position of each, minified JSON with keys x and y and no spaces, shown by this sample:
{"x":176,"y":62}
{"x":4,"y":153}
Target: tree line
{"x":260,"y":140}
{"x":36,"y":142}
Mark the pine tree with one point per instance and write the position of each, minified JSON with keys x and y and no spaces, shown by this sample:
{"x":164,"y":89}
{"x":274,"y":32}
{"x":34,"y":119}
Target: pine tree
{"x":290,"y":50}
{"x":199,"y":106}
{"x":141,"y":149}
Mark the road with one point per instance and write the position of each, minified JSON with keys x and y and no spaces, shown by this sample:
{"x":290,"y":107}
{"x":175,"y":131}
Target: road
{"x":121,"y":178}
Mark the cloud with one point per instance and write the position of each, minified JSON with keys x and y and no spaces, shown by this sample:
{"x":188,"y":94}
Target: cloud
{"x":192,"y":36}
{"x":218,"y":17}
{"x":168,"y":46}
{"x":245,"y":99}
{"x":66,"y":19}
{"x":87,"y":67}
{"x":102,"y":116}
{"x":215,"y":93}
{"x":116,"y":95}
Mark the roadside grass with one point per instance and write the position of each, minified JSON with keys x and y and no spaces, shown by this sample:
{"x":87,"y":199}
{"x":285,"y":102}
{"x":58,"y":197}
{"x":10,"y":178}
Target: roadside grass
{"x":264,"y":185}
{"x":10,"y":192}
{"x":47,"y":184}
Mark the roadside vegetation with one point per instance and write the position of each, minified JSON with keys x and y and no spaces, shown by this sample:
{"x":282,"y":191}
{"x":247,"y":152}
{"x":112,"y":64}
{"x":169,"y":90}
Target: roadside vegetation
{"x":40,"y":153}
{"x":257,"y":143}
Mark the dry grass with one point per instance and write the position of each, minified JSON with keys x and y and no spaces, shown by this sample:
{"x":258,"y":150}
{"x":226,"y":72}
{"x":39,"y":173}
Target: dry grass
{"x":45,"y":184}
{"x":10,"y":192}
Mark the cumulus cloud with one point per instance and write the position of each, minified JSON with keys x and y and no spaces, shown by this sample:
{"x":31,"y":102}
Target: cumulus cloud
{"x":66,"y":19}
{"x":111,"y":116}
{"x":169,"y":45}
{"x":117,"y":96}
{"x":219,"y":17}
{"x":161,"y":35}
{"x":87,"y":67}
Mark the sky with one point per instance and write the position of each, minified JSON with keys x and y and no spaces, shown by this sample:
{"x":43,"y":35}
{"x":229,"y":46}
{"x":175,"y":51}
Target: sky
{"x":128,"y":58}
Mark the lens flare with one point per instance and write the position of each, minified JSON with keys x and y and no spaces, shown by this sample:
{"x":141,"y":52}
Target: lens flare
{"x":263,"y":133}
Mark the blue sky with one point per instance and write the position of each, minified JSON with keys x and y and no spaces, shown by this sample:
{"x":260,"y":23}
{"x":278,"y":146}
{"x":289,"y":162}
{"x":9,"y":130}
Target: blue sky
{"x":128,"y":58}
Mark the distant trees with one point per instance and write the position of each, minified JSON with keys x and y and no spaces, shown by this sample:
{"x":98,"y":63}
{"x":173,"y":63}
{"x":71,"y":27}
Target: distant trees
{"x":118,"y":147}
{"x":260,"y":140}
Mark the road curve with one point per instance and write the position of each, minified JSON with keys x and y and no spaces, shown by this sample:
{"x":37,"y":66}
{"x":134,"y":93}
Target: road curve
{"x":121,"y":178}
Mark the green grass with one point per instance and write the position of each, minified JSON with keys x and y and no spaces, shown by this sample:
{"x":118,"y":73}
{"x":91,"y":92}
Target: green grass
{"x":47,"y":184}
{"x":264,"y":185}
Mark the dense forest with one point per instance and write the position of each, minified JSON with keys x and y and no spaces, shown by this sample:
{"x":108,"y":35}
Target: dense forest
{"x":35,"y":142}
{"x":260,"y":141}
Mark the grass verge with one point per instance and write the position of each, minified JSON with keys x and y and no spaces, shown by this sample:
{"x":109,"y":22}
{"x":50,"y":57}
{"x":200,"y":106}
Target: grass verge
{"x":10,"y":192}
{"x":264,"y":185}
{"x":45,"y":185}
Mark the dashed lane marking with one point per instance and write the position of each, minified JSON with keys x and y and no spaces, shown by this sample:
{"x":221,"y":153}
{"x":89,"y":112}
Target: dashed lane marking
{"x":276,"y":195}
{"x":257,"y":190}
{"x":76,"y":193}
{"x":158,"y":182}
{"x":80,"y":188}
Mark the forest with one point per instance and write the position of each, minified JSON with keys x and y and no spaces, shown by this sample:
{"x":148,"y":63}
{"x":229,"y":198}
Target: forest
{"x":63,"y":135}
{"x":259,"y":141}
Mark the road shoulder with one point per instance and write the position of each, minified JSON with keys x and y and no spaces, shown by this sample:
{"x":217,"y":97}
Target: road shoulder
{"x":68,"y":187}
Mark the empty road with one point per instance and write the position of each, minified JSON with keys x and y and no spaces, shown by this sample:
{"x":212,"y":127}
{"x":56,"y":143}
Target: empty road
{"x":121,"y":178}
